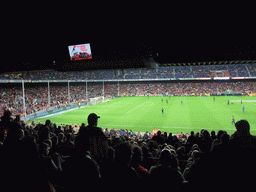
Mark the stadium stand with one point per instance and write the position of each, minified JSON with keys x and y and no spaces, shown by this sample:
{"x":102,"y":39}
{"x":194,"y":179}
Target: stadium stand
{"x":234,"y":70}
{"x":62,"y":158}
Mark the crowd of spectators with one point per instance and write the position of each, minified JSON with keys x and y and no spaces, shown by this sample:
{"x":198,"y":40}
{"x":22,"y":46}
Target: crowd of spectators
{"x":36,"y":95}
{"x":252,"y":69}
{"x":47,"y":157}
{"x":236,"y":70}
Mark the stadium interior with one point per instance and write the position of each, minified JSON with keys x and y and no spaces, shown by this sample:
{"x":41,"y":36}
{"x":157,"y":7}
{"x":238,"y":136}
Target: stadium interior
{"x":51,"y":156}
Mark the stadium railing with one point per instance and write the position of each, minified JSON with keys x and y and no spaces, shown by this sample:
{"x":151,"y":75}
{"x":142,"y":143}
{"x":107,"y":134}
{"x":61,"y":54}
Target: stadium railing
{"x":50,"y":110}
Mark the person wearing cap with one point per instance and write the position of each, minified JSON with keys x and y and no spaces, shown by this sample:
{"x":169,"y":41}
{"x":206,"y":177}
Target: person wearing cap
{"x":91,"y":138}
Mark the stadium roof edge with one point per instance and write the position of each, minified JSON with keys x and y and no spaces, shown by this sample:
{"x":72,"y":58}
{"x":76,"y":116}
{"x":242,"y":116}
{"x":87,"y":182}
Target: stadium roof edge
{"x":208,"y":63}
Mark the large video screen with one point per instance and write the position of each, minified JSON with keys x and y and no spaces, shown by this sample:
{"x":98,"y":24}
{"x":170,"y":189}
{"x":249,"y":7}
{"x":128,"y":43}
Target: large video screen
{"x":80,"y":52}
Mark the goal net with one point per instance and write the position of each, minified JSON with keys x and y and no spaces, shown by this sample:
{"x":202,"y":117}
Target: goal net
{"x":95,"y":100}
{"x":229,"y":92}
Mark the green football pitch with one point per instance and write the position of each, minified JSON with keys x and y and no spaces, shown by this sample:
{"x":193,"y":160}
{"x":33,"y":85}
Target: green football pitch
{"x":143,"y":114}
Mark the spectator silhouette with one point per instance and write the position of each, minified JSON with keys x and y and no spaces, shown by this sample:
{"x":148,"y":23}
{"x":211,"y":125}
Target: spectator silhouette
{"x":192,"y":139}
{"x":213,"y":135}
{"x":158,"y":138}
{"x":166,"y":171}
{"x":79,"y":171}
{"x":146,"y":136}
{"x":69,"y":145}
{"x":44,"y":132}
{"x":122,"y":169}
{"x":170,"y":139}
{"x":136,"y":163}
{"x":206,"y":142}
{"x":229,"y":167}
{"x":107,"y":165}
{"x":91,"y":138}
{"x":147,"y":158}
{"x":20,"y":157}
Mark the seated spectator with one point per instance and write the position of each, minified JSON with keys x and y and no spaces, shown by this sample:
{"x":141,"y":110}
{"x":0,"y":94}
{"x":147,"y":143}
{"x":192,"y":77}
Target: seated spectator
{"x":182,"y":157}
{"x":146,"y":157}
{"x":136,"y":161}
{"x":170,"y":139}
{"x":106,"y":166}
{"x":79,"y":170}
{"x":206,"y":142}
{"x":166,"y":171}
{"x":21,"y":164}
{"x":213,"y":136}
{"x":232,"y":166}
{"x":192,"y":139}
{"x":139,"y":136}
{"x":158,"y":138}
{"x":122,"y":169}
{"x":217,"y":140}
{"x":68,"y":147}
{"x":146,"y":136}
{"x":150,"y":147}
{"x":44,"y":132}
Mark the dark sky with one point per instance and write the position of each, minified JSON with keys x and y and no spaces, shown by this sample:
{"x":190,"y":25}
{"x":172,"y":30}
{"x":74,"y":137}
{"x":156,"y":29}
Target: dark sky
{"x":37,"y":48}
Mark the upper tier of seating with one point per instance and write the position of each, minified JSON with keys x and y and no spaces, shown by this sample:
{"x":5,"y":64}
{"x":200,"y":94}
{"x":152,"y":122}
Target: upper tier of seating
{"x":236,"y":70}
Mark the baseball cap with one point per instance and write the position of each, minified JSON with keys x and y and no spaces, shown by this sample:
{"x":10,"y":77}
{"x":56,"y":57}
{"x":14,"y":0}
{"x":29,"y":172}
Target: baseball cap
{"x":92,"y":118}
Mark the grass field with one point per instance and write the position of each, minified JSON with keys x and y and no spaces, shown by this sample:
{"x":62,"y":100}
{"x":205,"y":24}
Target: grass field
{"x":141,"y":113}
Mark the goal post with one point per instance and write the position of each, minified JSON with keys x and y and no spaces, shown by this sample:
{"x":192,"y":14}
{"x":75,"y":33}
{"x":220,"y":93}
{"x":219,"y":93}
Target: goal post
{"x":96,"y":100}
{"x":229,"y":92}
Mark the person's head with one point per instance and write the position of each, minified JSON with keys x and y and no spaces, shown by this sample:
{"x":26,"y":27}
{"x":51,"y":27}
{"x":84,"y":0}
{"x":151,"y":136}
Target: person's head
{"x":123,"y":153}
{"x":7,"y":115}
{"x":220,"y":132}
{"x":243,"y":128}
{"x":93,"y":119}
{"x":158,"y":133}
{"x":167,"y":158}
{"x":224,"y":138}
{"x":213,"y":133}
{"x":206,"y":134}
{"x":48,"y":122}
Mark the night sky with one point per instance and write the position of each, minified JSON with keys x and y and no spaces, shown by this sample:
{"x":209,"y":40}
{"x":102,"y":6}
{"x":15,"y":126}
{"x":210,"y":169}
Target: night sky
{"x":33,"y":50}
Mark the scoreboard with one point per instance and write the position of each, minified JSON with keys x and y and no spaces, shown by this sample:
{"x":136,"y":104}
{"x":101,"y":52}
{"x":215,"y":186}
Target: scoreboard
{"x":80,"y":52}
